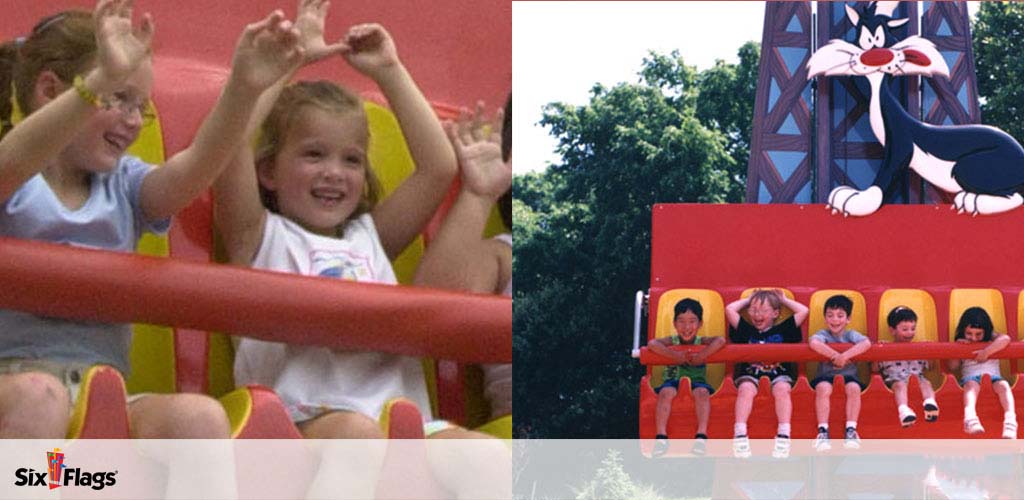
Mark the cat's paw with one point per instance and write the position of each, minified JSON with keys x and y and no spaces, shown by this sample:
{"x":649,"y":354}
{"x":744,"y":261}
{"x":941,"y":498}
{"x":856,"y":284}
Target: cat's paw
{"x":851,"y":201}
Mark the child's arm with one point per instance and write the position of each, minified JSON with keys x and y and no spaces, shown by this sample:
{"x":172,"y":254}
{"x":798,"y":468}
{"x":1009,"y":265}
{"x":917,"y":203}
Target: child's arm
{"x":799,"y":310}
{"x":238,"y":213}
{"x":998,"y":344}
{"x":715,"y":344}
{"x":732,"y":312}
{"x":660,"y":346}
{"x":26,"y":148}
{"x":849,"y":354}
{"x":401,"y":217}
{"x":266,"y":51}
{"x":459,"y":257}
{"x":820,"y":347}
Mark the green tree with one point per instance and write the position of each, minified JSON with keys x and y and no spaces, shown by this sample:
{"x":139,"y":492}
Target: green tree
{"x":583,"y":231}
{"x":998,"y":41}
{"x":726,"y":104}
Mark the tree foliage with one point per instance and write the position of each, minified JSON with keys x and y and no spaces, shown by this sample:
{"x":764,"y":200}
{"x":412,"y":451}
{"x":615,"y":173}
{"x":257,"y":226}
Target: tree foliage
{"x":998,"y":41}
{"x":583,"y":230}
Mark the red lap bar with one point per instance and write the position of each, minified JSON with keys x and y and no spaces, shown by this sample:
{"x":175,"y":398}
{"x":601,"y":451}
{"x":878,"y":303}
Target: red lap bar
{"x":802,"y":352}
{"x":95,"y":285}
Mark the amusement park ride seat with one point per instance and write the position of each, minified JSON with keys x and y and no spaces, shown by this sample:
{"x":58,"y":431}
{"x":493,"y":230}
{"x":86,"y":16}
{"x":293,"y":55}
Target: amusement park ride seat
{"x":712,"y":325}
{"x":923,"y":305}
{"x":872,"y":275}
{"x":166,"y":360}
{"x":989,"y":299}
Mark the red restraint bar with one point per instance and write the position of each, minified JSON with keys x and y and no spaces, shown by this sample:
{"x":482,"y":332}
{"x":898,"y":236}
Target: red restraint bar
{"x":802,"y":352}
{"x":96,"y":285}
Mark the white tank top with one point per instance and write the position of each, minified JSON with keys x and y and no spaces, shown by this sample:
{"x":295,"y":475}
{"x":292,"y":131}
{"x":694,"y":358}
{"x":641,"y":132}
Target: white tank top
{"x":314,"y":380}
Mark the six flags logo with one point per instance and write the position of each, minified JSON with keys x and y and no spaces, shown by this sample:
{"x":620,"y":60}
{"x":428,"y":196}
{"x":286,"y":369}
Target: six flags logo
{"x":60,"y":475}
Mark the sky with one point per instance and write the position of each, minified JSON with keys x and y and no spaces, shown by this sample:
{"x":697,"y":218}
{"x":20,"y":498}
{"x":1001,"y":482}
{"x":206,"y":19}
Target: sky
{"x":561,"y":49}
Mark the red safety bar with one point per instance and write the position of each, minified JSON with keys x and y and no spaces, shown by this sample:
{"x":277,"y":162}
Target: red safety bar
{"x":98,"y":285}
{"x":801,"y":352}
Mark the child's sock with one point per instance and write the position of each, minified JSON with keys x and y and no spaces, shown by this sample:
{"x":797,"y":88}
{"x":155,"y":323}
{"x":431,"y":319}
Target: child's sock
{"x":1010,"y":416}
{"x":661,"y":436}
{"x":700,"y":436}
{"x":739,"y":429}
{"x":970,"y":412}
{"x":823,"y":427}
{"x":931,"y":401}
{"x":784,"y":430}
{"x":851,"y":424}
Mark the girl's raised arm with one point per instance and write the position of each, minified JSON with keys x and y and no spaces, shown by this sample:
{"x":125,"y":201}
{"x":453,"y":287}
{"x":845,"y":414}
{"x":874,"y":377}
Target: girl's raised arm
{"x":120,"y":51}
{"x":402,"y":216}
{"x":267,"y":51}
{"x":458,"y":257}
{"x":238,"y":213}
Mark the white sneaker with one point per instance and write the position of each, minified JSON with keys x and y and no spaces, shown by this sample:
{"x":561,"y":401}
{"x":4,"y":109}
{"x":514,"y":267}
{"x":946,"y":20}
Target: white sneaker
{"x":1010,"y":428}
{"x":741,"y":447}
{"x":907,"y":416}
{"x":781,"y":449}
{"x":821,"y":442}
{"x":852,"y":440}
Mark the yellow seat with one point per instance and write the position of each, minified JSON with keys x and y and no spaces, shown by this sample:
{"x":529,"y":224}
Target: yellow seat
{"x":922,"y":303}
{"x":989,"y":299}
{"x":712,"y":325}
{"x":858,"y":322}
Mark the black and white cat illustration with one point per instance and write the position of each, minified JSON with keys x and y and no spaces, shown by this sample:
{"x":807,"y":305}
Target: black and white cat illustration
{"x":982,"y":165}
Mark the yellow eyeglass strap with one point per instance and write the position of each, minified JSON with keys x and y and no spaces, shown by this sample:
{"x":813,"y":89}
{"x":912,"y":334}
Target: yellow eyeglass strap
{"x":85,"y":92}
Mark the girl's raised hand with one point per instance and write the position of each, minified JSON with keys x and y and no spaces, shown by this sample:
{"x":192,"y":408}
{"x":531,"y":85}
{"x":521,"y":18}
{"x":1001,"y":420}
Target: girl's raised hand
{"x":310,"y":20}
{"x":120,"y":48}
{"x":266,"y":51}
{"x":371,"y":50}
{"x":484,"y":173}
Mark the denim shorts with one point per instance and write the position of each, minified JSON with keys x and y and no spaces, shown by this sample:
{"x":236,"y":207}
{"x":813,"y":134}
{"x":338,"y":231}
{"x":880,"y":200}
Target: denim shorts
{"x":674,"y":383}
{"x":755,"y":380}
{"x":977,"y":379}
{"x":846,"y":380}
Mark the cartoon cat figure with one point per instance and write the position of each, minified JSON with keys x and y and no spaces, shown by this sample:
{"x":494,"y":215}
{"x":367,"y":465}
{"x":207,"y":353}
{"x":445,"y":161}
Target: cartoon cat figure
{"x":983,"y":166}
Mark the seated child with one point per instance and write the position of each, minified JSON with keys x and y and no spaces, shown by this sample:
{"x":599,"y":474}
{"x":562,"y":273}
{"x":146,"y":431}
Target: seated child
{"x":459,"y":257}
{"x":903,"y":326}
{"x":975,"y":326}
{"x":84,"y":81}
{"x":764,"y":307}
{"x":688,"y":316}
{"x":837,"y":320}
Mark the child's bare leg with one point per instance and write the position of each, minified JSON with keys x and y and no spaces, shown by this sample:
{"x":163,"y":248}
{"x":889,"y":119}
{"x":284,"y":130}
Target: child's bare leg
{"x":178,"y":416}
{"x":971,"y":389}
{"x":33,"y":405}
{"x":187,"y":416}
{"x":664,"y":409}
{"x":1002,"y":389}
{"x":822,"y":401}
{"x":852,"y":401}
{"x":480,"y":466}
{"x":899,"y":391}
{"x":702,"y":406}
{"x":338,"y":471}
{"x":927,"y":391}
{"x":783,"y":404}
{"x":745,"y":401}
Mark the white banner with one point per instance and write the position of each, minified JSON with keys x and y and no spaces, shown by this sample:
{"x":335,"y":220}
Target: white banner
{"x":880,"y":469}
{"x":255,"y":469}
